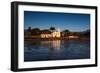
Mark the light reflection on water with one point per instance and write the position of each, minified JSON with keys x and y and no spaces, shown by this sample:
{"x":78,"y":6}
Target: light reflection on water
{"x":56,"y":50}
{"x":54,"y":44}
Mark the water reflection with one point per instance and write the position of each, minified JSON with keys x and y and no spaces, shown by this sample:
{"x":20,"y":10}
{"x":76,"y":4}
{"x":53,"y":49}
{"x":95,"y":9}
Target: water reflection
{"x":54,"y":44}
{"x":56,"y":50}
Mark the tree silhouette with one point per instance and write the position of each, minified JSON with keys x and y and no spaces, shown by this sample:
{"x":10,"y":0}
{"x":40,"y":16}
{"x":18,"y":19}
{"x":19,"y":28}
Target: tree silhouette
{"x":66,"y":32}
{"x":35,"y":31}
{"x":29,"y":29}
{"x":52,"y":28}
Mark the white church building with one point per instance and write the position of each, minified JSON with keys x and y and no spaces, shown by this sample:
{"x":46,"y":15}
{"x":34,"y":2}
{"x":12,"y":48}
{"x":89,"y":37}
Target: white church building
{"x":54,"y":34}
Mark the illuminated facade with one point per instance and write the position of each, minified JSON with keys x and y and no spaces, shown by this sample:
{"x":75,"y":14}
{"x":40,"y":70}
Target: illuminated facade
{"x":53,"y":34}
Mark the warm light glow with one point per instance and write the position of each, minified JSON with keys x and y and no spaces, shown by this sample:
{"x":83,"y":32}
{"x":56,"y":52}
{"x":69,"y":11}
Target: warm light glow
{"x":56,"y":44}
{"x":54,"y":34}
{"x":73,"y":36}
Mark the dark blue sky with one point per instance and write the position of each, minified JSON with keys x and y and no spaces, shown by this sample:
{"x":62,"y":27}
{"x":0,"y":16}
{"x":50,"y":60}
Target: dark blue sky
{"x":45,"y":20}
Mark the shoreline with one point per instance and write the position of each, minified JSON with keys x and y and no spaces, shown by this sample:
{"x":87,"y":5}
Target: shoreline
{"x":50,"y":39}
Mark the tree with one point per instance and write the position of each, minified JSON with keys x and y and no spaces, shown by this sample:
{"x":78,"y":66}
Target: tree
{"x":35,"y":31}
{"x":52,"y":28}
{"x":65,"y":32}
{"x":45,"y":30}
{"x":29,"y":29}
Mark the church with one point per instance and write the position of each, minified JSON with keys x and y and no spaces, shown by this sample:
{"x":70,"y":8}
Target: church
{"x":53,"y":34}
